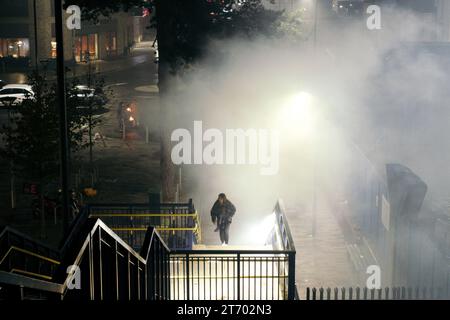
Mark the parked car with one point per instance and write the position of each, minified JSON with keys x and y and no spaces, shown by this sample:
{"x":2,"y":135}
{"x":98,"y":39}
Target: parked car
{"x":14,"y":94}
{"x":83,"y":95}
{"x":2,"y":83}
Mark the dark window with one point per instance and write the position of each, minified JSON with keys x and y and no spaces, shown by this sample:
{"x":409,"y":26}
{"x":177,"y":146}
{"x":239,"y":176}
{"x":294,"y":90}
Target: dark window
{"x":14,"y":8}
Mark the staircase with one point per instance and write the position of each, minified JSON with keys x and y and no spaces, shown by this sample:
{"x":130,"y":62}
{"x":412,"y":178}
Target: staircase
{"x":106,"y":266}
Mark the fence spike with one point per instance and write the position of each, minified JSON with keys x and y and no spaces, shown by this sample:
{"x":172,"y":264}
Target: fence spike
{"x":321,"y":294}
{"x":409,"y":293}
{"x":439,"y":293}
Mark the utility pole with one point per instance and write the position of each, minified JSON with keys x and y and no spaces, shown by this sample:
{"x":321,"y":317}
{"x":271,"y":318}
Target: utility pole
{"x":63,"y":134}
{"x":316,"y":12}
{"x":90,"y":102}
{"x":35,"y":36}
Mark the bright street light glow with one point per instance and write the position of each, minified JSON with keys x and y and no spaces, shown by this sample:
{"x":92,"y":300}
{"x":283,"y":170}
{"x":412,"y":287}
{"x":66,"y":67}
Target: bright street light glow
{"x":298,"y":115}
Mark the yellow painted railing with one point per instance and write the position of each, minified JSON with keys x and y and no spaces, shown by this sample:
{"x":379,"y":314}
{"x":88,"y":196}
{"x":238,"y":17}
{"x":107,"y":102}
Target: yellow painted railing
{"x":31,"y":254}
{"x":195,"y":216}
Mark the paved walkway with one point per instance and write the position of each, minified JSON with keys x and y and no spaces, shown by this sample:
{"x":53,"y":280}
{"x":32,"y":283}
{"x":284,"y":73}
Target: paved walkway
{"x":322,"y":260}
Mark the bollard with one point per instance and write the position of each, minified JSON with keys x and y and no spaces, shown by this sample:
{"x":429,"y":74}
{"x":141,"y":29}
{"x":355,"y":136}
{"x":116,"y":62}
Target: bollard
{"x":124,"y":133}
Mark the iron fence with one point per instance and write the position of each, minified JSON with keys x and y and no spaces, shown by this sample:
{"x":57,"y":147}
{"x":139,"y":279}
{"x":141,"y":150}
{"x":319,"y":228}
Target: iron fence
{"x":232,"y":275}
{"x":109,"y":269}
{"x":395,"y":293}
{"x":178,"y":224}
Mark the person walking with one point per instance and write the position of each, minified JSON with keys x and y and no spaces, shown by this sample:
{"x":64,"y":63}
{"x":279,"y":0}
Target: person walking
{"x":222,"y":213}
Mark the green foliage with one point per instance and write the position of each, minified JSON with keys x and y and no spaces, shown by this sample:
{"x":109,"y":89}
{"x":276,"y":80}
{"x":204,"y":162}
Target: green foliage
{"x":93,"y":9}
{"x":252,"y":20}
{"x":293,"y":25}
{"x":31,"y":139}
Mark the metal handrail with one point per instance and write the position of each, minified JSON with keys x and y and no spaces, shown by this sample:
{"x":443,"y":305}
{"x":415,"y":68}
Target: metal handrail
{"x":81,"y":218}
{"x":31,"y":283}
{"x":231,"y":252}
{"x":283,"y":226}
{"x":94,"y":225}
{"x":153,"y":248}
{"x":6,"y":233}
{"x":27,"y":252}
{"x":100,"y":215}
{"x":131,"y":219}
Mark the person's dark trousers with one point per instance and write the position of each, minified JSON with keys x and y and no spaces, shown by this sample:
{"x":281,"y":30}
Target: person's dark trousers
{"x":224,"y":232}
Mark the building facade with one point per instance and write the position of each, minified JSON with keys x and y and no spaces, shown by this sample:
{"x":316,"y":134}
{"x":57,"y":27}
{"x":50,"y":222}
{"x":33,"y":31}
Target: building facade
{"x":27,"y":34}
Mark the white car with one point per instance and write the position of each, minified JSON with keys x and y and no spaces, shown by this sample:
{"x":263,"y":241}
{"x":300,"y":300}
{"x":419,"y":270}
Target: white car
{"x":14,"y":94}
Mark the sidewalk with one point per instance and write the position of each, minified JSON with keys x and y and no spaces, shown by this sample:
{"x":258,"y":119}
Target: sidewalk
{"x":322,"y":260}
{"x":141,"y":53}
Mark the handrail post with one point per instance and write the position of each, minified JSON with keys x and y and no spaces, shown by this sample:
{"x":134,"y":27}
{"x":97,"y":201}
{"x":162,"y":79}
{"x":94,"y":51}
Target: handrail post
{"x":188,"y":289}
{"x":291,"y":276}
{"x":238,"y":276}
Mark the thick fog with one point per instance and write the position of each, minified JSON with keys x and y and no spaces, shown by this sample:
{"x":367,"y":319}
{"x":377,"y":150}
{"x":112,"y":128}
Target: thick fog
{"x":366,"y":99}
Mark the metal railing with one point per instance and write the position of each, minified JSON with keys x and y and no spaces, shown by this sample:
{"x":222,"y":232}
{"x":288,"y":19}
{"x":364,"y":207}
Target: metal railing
{"x":21,"y":254}
{"x":281,"y":238}
{"x":232,"y":275}
{"x":109,"y":269}
{"x":177,"y":223}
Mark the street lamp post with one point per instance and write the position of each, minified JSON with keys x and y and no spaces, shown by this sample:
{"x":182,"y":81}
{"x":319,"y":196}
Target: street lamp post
{"x":316,"y":7}
{"x":64,"y":134}
{"x":36,"y":55}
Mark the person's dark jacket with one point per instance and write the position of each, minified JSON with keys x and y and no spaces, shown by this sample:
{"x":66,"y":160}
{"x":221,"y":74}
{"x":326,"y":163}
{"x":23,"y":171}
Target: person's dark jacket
{"x":223,"y":212}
